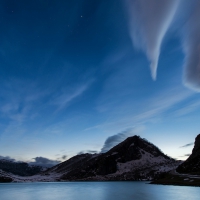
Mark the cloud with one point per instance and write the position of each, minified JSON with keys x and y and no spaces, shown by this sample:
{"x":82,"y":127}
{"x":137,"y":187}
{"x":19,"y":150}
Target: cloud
{"x":191,"y":46}
{"x":162,"y":103}
{"x":61,"y":157}
{"x":65,"y":97}
{"x":19,"y":99}
{"x":87,"y":151}
{"x":187,"y":154}
{"x":187,"y":145}
{"x":146,"y":110}
{"x":116,"y":139}
{"x":44,"y":162}
{"x":149,"y":22}
{"x":7,"y":158}
{"x":64,"y":157}
{"x":193,"y":106}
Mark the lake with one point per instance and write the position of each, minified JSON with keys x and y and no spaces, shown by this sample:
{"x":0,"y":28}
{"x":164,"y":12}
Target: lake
{"x":96,"y":191}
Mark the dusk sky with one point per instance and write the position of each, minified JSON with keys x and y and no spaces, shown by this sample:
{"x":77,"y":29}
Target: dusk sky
{"x":82,"y":75}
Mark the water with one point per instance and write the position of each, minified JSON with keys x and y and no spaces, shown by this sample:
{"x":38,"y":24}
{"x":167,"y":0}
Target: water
{"x":96,"y":191}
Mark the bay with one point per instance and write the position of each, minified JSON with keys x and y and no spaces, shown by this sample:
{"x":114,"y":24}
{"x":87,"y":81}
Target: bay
{"x":96,"y":191}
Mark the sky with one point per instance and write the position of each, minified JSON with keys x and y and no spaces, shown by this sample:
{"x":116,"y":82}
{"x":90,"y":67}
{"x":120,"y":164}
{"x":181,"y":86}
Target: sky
{"x":81,"y":76}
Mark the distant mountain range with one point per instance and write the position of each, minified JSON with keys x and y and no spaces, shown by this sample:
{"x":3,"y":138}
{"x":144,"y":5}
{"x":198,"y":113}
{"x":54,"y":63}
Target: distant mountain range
{"x":19,"y":168}
{"x":133,"y":159}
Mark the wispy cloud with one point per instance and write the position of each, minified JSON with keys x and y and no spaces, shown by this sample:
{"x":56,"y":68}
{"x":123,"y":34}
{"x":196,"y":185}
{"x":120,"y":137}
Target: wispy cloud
{"x":193,"y":106}
{"x":147,"y":110}
{"x":187,"y":154}
{"x":149,"y":22}
{"x":187,"y":145}
{"x":66,"y":96}
{"x":162,"y":103}
{"x":18,"y":98}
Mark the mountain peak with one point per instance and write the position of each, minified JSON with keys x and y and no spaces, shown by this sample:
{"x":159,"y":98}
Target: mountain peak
{"x":196,"y":149}
{"x":134,"y":147}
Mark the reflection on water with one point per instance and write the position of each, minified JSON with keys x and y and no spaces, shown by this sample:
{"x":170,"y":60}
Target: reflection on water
{"x":96,"y":191}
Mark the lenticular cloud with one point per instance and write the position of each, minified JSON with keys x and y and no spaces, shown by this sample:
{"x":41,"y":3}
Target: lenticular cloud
{"x":149,"y":21}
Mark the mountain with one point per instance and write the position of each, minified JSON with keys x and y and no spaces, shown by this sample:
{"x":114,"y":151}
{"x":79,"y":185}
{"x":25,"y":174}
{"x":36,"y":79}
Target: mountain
{"x":133,"y":159}
{"x":192,"y":164}
{"x":19,"y":168}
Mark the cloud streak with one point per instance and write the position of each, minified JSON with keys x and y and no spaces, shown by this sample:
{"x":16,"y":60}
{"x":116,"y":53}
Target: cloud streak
{"x":187,"y":154}
{"x":149,"y":22}
{"x":187,"y":145}
{"x":65,"y":97}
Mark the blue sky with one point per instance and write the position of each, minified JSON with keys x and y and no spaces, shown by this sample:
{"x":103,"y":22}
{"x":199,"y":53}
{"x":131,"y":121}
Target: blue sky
{"x":74,"y":73}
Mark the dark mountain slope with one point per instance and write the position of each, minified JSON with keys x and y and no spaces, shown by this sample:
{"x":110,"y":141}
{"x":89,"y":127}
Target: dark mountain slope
{"x":192,"y":164}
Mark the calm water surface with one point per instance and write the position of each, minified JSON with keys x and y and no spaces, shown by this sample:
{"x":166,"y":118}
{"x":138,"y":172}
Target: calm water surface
{"x":96,"y":191}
